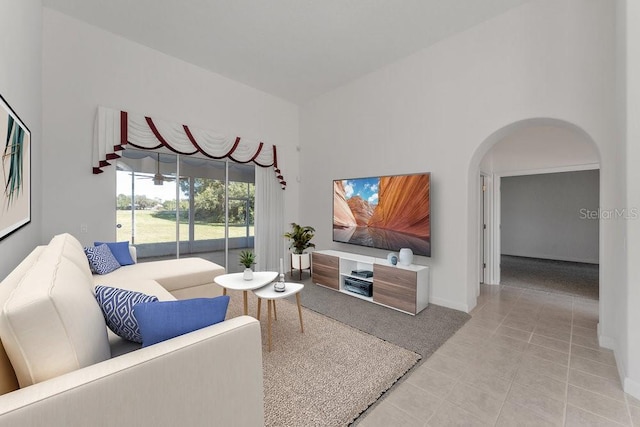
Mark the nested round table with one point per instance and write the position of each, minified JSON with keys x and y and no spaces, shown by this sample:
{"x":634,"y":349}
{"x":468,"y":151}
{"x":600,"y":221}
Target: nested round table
{"x":236,"y":282}
{"x":268,"y":293}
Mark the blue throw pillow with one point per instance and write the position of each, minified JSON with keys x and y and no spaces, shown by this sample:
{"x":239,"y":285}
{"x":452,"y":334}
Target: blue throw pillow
{"x":160,"y":321}
{"x":117,"y":308}
{"x":120,"y":251}
{"x":101,"y":260}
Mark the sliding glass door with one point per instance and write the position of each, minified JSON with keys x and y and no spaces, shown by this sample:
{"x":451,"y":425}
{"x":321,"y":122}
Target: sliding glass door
{"x":186,"y":206}
{"x":146,"y":203}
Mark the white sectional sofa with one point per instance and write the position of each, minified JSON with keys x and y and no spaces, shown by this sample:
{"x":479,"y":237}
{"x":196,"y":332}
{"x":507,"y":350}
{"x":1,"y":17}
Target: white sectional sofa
{"x":58,"y":363}
{"x":183,"y":278}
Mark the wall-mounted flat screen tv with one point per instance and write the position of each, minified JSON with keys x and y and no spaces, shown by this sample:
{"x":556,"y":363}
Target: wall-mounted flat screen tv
{"x":385,"y":212}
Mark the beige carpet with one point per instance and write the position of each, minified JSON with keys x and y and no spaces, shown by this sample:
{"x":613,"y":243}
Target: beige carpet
{"x":326,"y":376}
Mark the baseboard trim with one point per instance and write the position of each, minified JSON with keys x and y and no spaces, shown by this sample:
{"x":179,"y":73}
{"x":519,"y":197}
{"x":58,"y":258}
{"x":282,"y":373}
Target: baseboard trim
{"x":449,"y":304}
{"x":606,"y":341}
{"x":629,"y":386}
{"x":632,"y":387}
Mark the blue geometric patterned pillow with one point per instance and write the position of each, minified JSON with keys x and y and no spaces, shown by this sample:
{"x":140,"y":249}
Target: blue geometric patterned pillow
{"x":120,"y":251}
{"x":117,"y":308}
{"x":101,"y":260}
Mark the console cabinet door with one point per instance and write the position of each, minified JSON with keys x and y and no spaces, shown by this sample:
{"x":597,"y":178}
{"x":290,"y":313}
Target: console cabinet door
{"x":395,"y":287}
{"x":326,"y":270}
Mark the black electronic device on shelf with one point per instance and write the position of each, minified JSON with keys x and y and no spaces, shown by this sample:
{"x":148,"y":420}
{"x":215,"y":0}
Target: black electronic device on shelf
{"x":358,"y":286}
{"x":362,"y":273}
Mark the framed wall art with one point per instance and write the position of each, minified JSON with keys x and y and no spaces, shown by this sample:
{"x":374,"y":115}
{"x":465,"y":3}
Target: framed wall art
{"x":15,"y":199}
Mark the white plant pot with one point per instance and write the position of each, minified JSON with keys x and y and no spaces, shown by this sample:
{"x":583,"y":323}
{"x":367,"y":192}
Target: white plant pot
{"x":301,"y":261}
{"x":247,"y":274}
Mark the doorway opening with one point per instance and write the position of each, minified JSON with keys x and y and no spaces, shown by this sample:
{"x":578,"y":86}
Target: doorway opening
{"x":549,"y":233}
{"x":538,"y":205}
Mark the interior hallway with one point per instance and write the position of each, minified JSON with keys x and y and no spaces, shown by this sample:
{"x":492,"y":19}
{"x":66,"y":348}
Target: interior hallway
{"x":526,"y":358}
{"x":570,"y":278}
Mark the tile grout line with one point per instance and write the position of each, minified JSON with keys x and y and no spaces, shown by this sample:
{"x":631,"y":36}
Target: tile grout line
{"x":426,"y":423}
{"x":441,"y":399}
{"x":404,"y":412}
{"x":574,"y":307}
{"x":572,"y":325}
{"x":444,"y":398}
{"x":539,"y":414}
{"x":582,"y":388}
{"x":566,"y":390}
{"x":626,"y":401}
{"x":459,"y":380}
{"x":511,"y":381}
{"x":598,"y":415}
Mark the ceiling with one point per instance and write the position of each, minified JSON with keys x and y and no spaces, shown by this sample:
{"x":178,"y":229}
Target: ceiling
{"x":293,"y":49}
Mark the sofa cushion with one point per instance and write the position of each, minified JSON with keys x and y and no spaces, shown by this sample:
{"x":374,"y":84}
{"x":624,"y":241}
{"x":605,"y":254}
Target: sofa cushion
{"x":120,"y":251}
{"x":172,"y":274}
{"x":145,"y":286}
{"x":51,"y":323}
{"x":160,"y":321}
{"x":117,"y":308}
{"x":101,"y":259}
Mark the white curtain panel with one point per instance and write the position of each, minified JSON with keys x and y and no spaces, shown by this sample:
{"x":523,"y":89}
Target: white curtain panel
{"x":269,"y":217}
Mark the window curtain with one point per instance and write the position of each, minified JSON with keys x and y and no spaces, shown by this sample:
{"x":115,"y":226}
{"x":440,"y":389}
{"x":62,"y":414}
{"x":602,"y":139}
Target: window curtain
{"x":269,"y":228}
{"x":114,"y":130}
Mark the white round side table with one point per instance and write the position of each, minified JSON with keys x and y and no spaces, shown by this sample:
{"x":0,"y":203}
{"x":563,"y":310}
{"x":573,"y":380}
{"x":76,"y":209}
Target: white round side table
{"x":268,"y":293}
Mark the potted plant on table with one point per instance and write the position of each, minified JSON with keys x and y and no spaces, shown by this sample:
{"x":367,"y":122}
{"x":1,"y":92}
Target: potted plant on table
{"x":300,"y":240}
{"x":248,"y":259}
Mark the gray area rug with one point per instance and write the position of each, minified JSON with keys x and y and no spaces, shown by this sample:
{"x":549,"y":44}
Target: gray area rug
{"x":569,"y":278}
{"x":422,"y":334}
{"x":327,"y":375}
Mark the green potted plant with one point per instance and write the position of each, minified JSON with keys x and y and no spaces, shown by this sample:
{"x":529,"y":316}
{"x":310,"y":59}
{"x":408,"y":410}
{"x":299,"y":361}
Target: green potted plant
{"x":300,"y":240}
{"x":248,"y":259}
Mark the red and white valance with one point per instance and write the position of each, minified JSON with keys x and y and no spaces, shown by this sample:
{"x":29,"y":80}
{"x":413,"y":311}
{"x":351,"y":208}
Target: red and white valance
{"x":115,"y":129}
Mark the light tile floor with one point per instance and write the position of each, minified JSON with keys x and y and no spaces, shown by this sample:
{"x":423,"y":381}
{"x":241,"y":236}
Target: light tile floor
{"x":525,"y":358}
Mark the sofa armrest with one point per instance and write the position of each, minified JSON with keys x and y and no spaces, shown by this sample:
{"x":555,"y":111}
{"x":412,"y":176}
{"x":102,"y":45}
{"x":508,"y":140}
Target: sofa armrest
{"x":134,"y":253}
{"x":212,"y":376}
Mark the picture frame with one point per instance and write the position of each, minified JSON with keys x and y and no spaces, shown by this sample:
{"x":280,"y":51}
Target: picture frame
{"x":15,"y":171}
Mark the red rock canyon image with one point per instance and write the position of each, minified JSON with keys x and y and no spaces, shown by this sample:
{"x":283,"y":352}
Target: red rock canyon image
{"x":389,"y":212}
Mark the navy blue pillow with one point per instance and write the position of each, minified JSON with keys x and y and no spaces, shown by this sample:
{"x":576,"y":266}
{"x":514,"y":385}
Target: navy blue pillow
{"x":120,"y":251}
{"x":163,"y":320}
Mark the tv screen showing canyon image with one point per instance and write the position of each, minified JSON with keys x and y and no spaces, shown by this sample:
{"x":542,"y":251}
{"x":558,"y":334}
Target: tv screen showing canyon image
{"x":386,"y":212}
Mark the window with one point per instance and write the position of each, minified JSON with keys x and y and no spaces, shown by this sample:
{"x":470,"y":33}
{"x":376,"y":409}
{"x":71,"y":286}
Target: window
{"x":207,"y":212}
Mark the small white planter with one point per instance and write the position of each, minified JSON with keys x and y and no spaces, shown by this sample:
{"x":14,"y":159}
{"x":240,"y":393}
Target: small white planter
{"x":247,"y":274}
{"x":301,"y":261}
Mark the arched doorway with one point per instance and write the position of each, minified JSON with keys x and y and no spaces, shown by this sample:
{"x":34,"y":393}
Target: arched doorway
{"x":531,"y":146}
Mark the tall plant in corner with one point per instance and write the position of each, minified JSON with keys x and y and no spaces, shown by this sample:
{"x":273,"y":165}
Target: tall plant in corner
{"x":13,"y":149}
{"x":300,"y":238}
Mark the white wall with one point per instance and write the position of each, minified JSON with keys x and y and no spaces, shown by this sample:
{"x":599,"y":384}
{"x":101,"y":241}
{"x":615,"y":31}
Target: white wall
{"x":21,"y":87}
{"x":84,"y":66}
{"x":540,"y":147}
{"x":439,"y":110}
{"x":551,"y":216}
{"x":629,"y":298}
